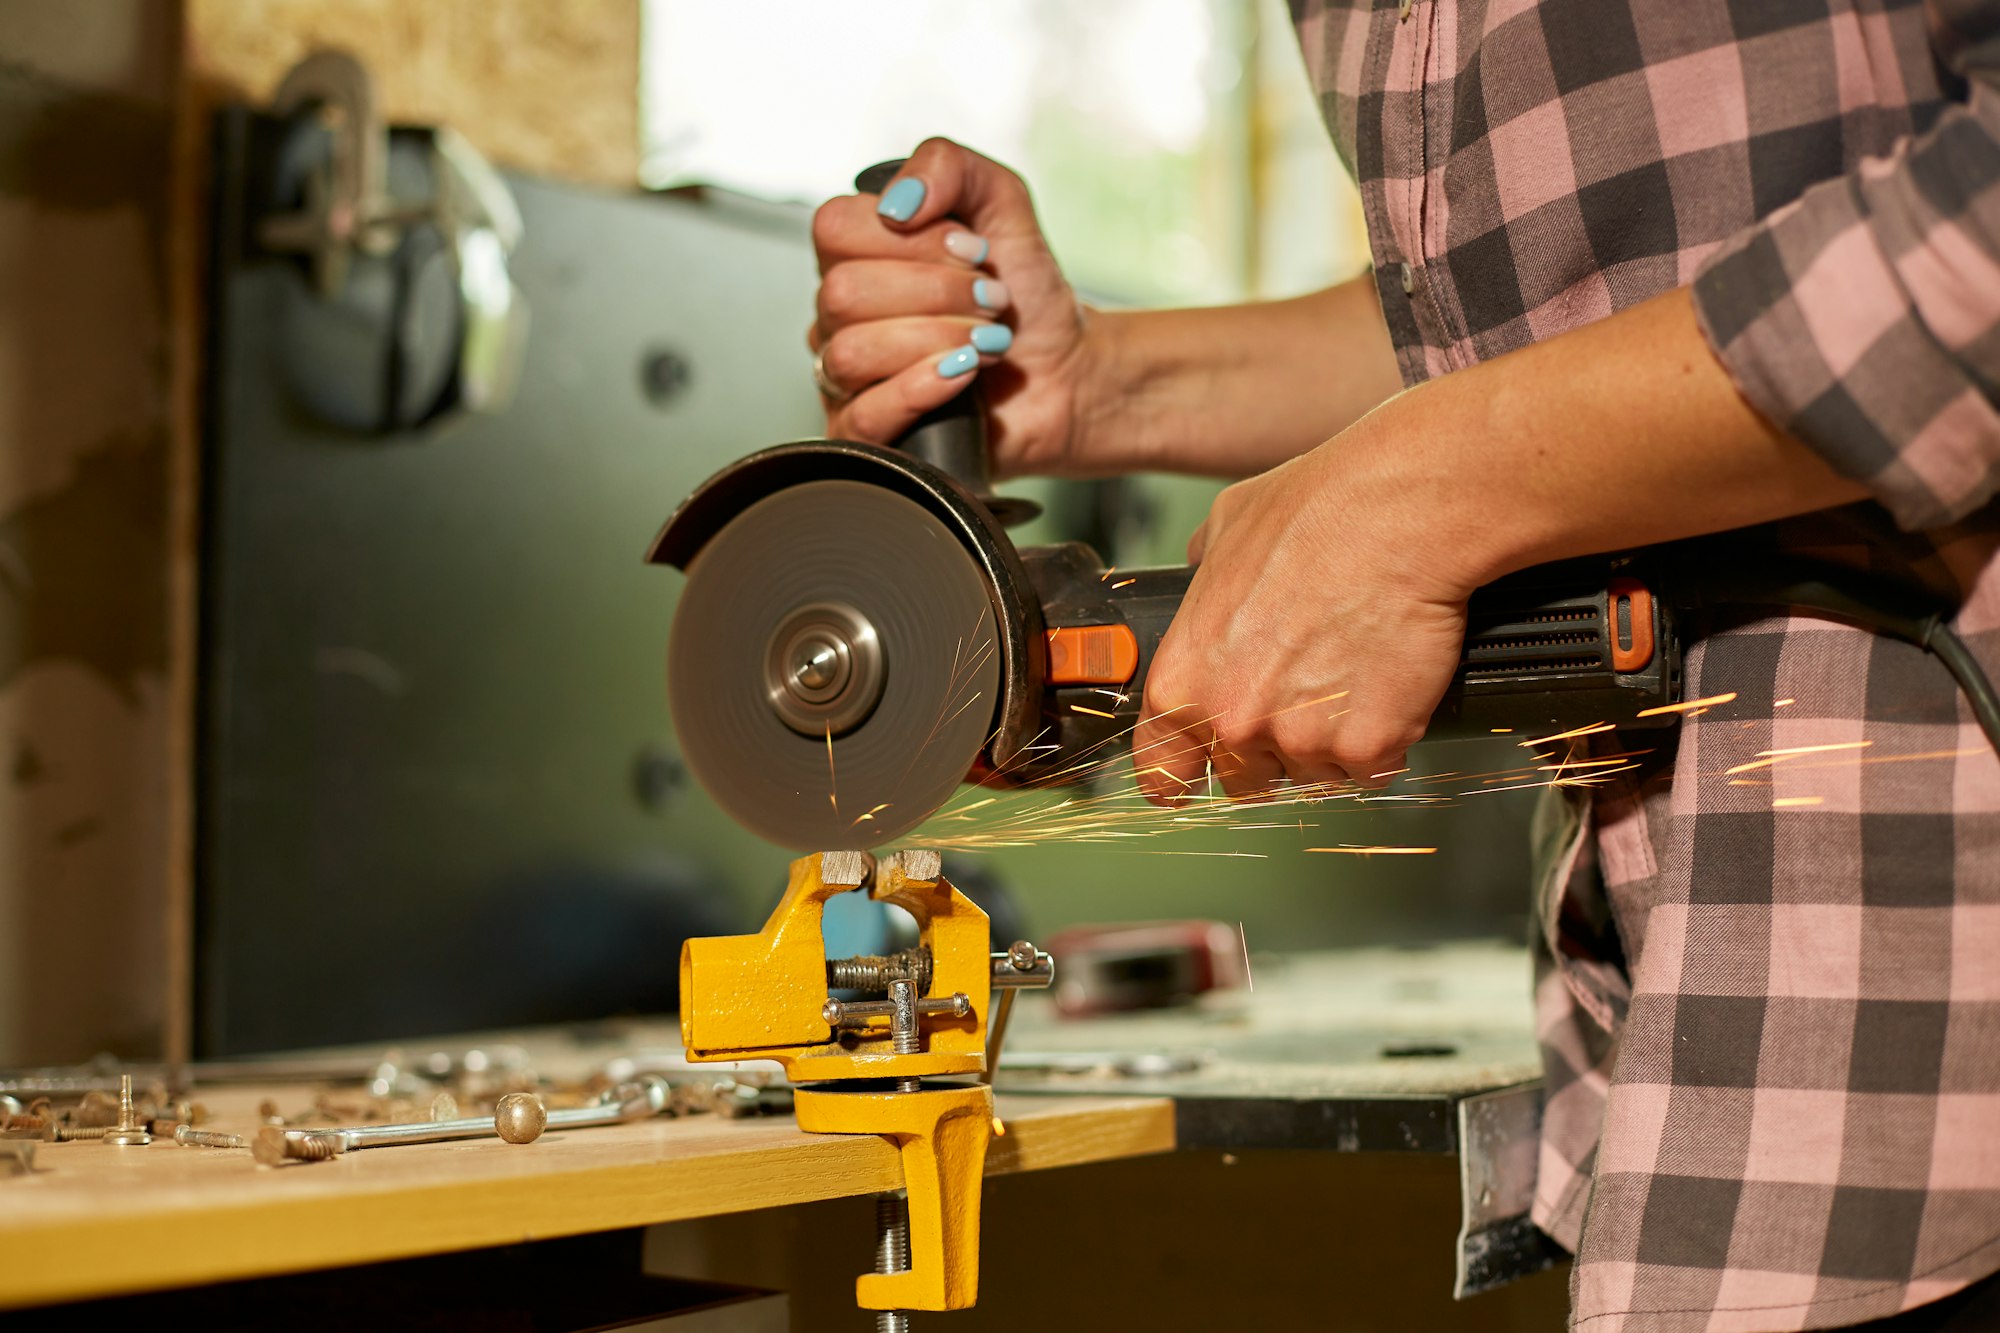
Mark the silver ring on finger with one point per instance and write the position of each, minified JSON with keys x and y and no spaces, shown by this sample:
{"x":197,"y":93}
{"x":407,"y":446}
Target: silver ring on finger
{"x":832,"y":392}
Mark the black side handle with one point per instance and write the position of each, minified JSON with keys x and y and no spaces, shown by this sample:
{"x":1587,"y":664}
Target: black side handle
{"x":952,"y":437}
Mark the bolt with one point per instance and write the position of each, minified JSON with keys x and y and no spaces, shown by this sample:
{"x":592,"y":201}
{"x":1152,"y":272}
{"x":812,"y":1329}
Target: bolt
{"x":856,"y":1013}
{"x":57,"y":1132}
{"x":907,"y":1038}
{"x":23,"y":1124}
{"x":663,"y":374}
{"x":892,"y":1252}
{"x":275,"y":1145}
{"x":1022,"y":955}
{"x":871,"y":972}
{"x":189,"y":1137}
{"x":129,"y":1133}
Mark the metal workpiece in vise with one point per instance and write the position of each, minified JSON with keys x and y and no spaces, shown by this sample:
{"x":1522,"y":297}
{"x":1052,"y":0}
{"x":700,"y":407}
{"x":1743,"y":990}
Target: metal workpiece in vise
{"x":866,"y":1066}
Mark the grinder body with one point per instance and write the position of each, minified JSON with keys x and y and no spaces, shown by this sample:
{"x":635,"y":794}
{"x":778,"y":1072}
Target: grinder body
{"x":1547,"y":650}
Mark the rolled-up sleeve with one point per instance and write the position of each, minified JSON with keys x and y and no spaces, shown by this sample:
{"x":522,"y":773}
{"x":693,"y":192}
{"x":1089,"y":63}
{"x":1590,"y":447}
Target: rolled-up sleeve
{"x":1864,"y":318}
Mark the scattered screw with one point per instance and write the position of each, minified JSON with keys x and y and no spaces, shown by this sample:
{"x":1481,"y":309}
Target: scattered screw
{"x":129,"y":1133}
{"x":268,"y":1112}
{"x":444,"y":1106}
{"x":275,"y":1144}
{"x":57,"y":1132}
{"x":189,"y":1137}
{"x":23,"y":1124}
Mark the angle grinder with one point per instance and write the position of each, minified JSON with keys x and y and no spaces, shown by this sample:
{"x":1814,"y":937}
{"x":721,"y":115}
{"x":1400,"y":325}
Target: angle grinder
{"x":857,"y":637}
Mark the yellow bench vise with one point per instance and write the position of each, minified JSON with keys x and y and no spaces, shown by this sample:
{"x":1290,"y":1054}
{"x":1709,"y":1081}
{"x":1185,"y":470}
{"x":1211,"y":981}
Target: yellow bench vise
{"x":769,"y":996}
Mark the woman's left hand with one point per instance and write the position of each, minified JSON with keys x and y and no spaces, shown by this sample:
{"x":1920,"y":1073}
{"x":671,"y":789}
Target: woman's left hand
{"x":1323,"y":624}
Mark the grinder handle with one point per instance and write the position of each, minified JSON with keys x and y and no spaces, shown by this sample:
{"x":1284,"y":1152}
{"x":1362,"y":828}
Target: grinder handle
{"x":952,"y":436}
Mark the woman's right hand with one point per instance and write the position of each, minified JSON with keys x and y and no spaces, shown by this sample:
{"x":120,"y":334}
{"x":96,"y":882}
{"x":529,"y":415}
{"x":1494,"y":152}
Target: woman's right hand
{"x":943,"y":279}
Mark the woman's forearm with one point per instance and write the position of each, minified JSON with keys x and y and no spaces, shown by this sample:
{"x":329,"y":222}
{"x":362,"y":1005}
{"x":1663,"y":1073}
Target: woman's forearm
{"x":1624,"y":433}
{"x":1232,"y":390}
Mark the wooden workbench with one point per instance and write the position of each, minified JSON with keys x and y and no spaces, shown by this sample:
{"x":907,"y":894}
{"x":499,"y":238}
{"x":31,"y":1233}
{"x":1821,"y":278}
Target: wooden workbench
{"x":1355,"y":1051}
{"x":94,"y":1220}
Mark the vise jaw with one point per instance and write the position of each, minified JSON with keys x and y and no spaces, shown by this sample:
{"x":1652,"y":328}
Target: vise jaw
{"x":764,"y":996}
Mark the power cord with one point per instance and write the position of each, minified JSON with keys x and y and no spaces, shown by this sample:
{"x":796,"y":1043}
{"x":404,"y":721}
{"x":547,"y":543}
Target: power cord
{"x":1855,"y":597}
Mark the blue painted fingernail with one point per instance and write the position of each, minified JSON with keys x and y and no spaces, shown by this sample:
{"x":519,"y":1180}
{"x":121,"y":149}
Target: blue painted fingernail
{"x":965,"y":245}
{"x":991,"y":293}
{"x":958,"y":362}
{"x":901,"y":201}
{"x":993,"y":339}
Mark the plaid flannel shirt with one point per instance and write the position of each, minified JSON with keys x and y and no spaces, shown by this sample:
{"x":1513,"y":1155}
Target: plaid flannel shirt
{"x":1768,"y":976}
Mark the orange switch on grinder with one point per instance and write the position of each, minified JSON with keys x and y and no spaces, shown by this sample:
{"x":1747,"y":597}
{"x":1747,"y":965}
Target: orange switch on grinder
{"x":1631,"y":639}
{"x":1092,"y":655}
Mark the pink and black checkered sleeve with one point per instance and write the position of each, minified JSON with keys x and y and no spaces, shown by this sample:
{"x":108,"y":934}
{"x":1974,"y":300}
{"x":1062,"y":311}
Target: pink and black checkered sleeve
{"x":1865,"y":317}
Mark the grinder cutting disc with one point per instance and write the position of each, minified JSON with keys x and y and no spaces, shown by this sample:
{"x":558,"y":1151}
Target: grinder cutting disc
{"x":832,"y":669}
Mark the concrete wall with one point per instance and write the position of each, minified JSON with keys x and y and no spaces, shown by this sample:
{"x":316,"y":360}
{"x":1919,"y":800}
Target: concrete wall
{"x":86,"y":137}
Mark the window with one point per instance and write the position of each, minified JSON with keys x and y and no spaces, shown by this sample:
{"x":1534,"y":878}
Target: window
{"x":1175,"y":150}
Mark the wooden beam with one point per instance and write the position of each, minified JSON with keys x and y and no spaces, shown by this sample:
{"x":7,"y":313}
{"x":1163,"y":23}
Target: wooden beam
{"x":544,"y":86}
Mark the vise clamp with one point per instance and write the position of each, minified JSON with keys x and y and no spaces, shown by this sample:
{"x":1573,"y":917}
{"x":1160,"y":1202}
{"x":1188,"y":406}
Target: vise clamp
{"x":770,"y":996}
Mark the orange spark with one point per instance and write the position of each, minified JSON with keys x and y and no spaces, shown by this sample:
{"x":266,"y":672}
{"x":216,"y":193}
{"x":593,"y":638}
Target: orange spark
{"x":1245,"y":941}
{"x":1692,"y":704}
{"x":1094,"y":712}
{"x":1766,"y":758}
{"x":1591,"y":730}
{"x":1124,"y":583}
{"x":1375,"y":851}
{"x":1784,"y":703}
{"x":1785,"y":801}
{"x":832,"y":788}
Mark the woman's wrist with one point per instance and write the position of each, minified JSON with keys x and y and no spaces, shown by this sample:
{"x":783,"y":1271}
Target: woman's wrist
{"x":1102,"y":429}
{"x":1400,"y":488}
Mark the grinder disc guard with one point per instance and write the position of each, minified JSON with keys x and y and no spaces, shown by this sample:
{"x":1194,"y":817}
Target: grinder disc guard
{"x":833,"y":621}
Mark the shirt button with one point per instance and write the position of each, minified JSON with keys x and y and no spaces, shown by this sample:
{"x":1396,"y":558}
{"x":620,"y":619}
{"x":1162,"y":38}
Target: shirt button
{"x":1403,"y":9}
{"x":1409,"y":276}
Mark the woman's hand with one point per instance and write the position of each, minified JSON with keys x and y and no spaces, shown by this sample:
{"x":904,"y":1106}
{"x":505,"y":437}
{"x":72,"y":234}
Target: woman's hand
{"x":1318,"y":636}
{"x":1328,"y":614}
{"x":942,"y":279}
